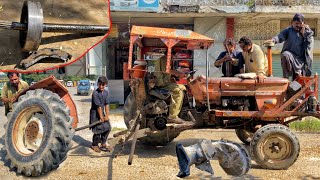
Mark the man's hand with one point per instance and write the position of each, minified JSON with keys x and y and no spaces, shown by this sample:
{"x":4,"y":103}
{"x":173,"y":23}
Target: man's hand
{"x":303,"y":29}
{"x":260,"y":78}
{"x":227,"y":58}
{"x":268,"y":42}
{"x":104,"y":119}
{"x":7,"y":100}
{"x":234,"y":61}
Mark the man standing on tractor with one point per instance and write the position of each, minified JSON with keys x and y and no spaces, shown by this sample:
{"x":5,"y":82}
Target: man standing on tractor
{"x":166,"y":81}
{"x":231,"y":59}
{"x":11,"y":89}
{"x":254,"y":58}
{"x":297,"y":51}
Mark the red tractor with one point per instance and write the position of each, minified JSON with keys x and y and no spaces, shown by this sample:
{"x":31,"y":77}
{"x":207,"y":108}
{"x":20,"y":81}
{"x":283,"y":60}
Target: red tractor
{"x":258,"y":111}
{"x":40,"y":127}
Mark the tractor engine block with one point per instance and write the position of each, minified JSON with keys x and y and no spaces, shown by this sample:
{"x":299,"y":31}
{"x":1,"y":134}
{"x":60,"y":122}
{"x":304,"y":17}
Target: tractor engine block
{"x":235,"y":103}
{"x":157,"y":107}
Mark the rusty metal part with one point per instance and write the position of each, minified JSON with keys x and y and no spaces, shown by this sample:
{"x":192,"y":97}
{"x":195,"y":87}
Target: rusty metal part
{"x":33,"y":122}
{"x":41,"y":54}
{"x":233,"y":158}
{"x":32,"y":130}
{"x":31,"y":26}
{"x":269,"y":45}
{"x":133,"y":145}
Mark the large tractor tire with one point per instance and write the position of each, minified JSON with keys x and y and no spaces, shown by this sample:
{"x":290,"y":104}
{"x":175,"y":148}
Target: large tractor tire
{"x":274,"y":146}
{"x":244,"y":135}
{"x":155,"y":139}
{"x":38,"y":133}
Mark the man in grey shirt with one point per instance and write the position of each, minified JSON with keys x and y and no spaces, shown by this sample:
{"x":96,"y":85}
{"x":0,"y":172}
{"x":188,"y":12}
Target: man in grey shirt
{"x":297,"y":51}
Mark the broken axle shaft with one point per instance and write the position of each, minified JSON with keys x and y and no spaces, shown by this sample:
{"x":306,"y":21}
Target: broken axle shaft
{"x":47,"y":27}
{"x":31,"y":26}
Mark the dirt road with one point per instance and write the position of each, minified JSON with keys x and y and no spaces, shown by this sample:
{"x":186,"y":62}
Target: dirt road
{"x":159,"y":162}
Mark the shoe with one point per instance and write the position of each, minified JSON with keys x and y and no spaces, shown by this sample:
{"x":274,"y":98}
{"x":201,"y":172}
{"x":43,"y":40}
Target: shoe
{"x":96,"y":149}
{"x":176,"y":120}
{"x":105,"y":148}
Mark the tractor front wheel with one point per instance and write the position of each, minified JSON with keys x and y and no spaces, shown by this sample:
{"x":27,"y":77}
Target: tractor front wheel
{"x":274,"y":146}
{"x":38,"y":133}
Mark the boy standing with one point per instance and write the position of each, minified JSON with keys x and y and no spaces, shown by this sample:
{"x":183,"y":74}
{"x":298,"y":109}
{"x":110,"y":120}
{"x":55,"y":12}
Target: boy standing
{"x":100,"y":112}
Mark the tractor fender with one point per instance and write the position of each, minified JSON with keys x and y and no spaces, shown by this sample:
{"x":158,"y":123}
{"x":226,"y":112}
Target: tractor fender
{"x":52,"y":84}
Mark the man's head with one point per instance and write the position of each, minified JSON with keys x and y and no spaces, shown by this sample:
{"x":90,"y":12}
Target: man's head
{"x":298,"y":21}
{"x":229,"y":44}
{"x":102,"y":83}
{"x":14,"y":78}
{"x":245,"y":43}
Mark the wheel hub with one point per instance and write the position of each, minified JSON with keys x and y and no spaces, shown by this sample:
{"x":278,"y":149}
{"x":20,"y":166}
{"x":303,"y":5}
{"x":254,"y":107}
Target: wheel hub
{"x":32,"y":130}
{"x":160,"y":123}
{"x":28,"y":130}
{"x":277,"y":147}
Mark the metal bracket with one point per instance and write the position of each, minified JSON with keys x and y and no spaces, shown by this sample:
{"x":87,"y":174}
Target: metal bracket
{"x":41,"y":54}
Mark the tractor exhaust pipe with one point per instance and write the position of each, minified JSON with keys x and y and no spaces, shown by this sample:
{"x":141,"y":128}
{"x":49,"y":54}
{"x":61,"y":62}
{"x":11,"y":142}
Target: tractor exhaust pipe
{"x":233,"y":158}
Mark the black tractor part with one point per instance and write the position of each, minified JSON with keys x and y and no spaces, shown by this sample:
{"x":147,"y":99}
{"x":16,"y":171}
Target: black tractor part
{"x":155,"y":139}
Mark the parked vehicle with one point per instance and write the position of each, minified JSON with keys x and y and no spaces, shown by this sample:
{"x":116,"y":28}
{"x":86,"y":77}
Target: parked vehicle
{"x":84,"y":88}
{"x":69,"y":84}
{"x":92,"y":85}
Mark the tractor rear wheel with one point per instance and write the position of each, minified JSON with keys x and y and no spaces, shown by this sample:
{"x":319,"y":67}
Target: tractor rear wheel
{"x":38,"y":133}
{"x":155,"y":139}
{"x":274,"y":146}
{"x":244,"y":135}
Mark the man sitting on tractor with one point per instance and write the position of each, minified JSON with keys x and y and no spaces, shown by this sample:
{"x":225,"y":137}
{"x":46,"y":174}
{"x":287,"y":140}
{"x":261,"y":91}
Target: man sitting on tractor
{"x":254,"y":58}
{"x":231,"y":59}
{"x":166,"y":81}
{"x":11,"y":89}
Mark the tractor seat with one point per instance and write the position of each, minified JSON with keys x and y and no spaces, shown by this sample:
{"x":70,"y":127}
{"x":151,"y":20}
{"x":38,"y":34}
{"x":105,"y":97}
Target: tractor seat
{"x":160,"y":93}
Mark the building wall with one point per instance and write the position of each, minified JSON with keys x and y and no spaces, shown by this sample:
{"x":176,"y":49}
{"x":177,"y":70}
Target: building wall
{"x":259,"y":29}
{"x":214,"y":27}
{"x":95,"y":60}
{"x":77,"y":68}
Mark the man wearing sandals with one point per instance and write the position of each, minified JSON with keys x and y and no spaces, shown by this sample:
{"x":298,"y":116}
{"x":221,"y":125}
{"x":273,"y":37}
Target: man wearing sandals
{"x":100,"y":112}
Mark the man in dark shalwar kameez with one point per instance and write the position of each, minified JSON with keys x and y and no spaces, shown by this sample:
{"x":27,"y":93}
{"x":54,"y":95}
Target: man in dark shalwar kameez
{"x":297,"y":51}
{"x":100,"y":112}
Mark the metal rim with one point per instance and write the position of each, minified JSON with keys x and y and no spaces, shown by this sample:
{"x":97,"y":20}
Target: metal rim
{"x":276,"y":147}
{"x":32,"y":15}
{"x":28,"y":130}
